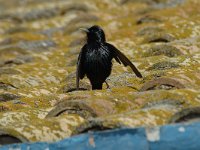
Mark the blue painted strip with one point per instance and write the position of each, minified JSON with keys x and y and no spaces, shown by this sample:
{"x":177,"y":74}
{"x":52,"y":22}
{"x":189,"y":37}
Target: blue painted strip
{"x":169,"y":137}
{"x":178,"y":137}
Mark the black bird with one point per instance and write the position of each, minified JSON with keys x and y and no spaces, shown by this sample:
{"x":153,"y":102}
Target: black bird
{"x":95,"y":57}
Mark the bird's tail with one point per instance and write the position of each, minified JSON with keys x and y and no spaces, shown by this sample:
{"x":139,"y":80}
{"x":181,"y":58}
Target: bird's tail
{"x":97,"y":86}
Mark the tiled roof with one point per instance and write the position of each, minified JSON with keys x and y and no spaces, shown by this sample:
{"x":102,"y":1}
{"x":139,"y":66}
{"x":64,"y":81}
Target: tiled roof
{"x":39,"y":46}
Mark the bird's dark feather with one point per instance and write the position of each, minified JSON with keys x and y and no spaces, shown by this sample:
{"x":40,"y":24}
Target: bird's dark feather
{"x":121,"y":58}
{"x":80,"y":72}
{"x":97,"y":63}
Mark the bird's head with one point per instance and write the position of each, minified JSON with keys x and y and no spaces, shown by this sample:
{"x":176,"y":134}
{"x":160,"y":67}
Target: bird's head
{"x":94,"y":34}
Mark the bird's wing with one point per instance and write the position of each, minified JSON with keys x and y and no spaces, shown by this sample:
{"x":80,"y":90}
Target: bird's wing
{"x":121,"y":58}
{"x":80,"y":72}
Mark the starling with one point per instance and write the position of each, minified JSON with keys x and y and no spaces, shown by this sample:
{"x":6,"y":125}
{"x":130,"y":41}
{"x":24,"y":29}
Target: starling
{"x":95,"y":59}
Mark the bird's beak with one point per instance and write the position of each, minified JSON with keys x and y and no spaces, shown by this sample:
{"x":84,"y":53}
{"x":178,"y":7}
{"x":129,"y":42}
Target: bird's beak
{"x":84,"y":29}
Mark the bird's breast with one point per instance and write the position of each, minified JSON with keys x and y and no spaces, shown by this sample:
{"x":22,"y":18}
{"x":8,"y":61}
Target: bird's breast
{"x":98,"y":54}
{"x":98,"y":58}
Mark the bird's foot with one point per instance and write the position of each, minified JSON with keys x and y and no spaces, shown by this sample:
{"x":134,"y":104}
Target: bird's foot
{"x":108,"y":87}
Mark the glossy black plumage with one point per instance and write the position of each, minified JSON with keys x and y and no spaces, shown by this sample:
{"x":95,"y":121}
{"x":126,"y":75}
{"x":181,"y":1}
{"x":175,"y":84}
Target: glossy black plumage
{"x":95,"y":59}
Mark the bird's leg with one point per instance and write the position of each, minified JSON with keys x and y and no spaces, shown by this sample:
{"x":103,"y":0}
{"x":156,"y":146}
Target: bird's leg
{"x":108,"y":87}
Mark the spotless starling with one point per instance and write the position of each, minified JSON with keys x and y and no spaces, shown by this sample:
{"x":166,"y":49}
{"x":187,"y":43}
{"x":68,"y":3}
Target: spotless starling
{"x":95,"y":58}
